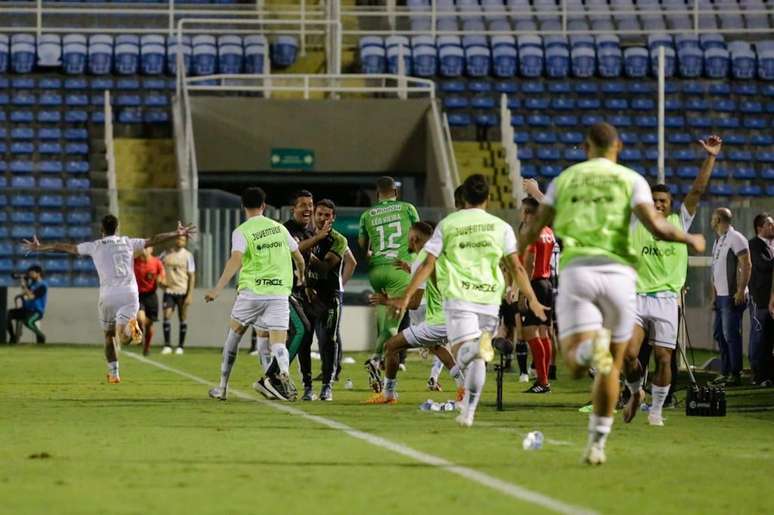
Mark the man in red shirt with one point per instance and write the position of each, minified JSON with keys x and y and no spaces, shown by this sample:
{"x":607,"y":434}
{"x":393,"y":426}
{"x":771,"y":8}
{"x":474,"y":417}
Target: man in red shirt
{"x":149,"y":272}
{"x":537,"y":262}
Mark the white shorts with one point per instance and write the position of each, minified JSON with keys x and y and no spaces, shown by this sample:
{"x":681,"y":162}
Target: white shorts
{"x":595,"y":296}
{"x":423,"y":335}
{"x":658,"y":316}
{"x":117,"y":307}
{"x":267,"y":314}
{"x":462,"y":326}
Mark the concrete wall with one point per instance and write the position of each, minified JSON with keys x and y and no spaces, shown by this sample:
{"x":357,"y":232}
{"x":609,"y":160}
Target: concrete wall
{"x":71,"y":317}
{"x":236,"y":134}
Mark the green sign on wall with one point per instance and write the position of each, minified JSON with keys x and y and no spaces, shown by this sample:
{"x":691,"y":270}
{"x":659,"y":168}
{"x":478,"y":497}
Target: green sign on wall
{"x":292,"y":159}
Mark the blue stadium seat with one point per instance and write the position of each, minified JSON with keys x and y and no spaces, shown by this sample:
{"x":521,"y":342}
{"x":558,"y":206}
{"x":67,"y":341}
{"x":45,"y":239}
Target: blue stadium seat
{"x":544,"y":137}
{"x":46,"y":166}
{"x":479,"y":86}
{"x":78,"y":232}
{"x":514,"y":103}
{"x":559,"y":87}
{"x":752,"y":122}
{"x":152,"y":56}
{"x":618,"y":104}
{"x":521,"y":137}
{"x":487,"y":120}
{"x":86,"y":281}
{"x":52,"y":232}
{"x":48,"y":148}
{"x":670,"y":62}
{"x":745,"y":173}
{"x":76,"y":116}
{"x":721,"y":189}
{"x":743,"y":64}
{"x":532,"y":87}
{"x":23,"y":217}
{"x":712,"y":40}
{"x":766,"y":64}
{"x":74,"y":166}
{"x":636,"y":62}
{"x":23,"y":83}
{"x":574,"y":154}
{"x":716,"y":63}
{"x":78,"y":201}
{"x":6,"y":265}
{"x":5,"y":55}
{"x":124,"y":100}
{"x":610,"y":62}
{"x":204,"y":60}
{"x":588,"y":103}
{"x":284,"y":50}
{"x":24,"y":98}
{"x":156,"y":116}
{"x":83,"y":264}
{"x":750,"y":190}
{"x":583,"y":62}
{"x":78,"y":184}
{"x":504,"y":61}
{"x":483,"y":102}
{"x":51,"y":201}
{"x":452,"y":60}
{"x":557,"y":62}
{"x":530,"y":61}
{"x":19,"y":116}
{"x":75,"y":83}
{"x":459,"y":119}
{"x":525,"y":153}
{"x":762,"y":139}
{"x":76,"y":100}
{"x":372,"y":60}
{"x":184,"y":48}
{"x":538,"y":120}
{"x":76,"y":134}
{"x":6,"y":248}
{"x":566,"y":121}
{"x":49,"y":50}
{"x":537,"y":103}
{"x":50,"y":183}
{"x":550,"y":170}
{"x":22,"y":200}
{"x":745,"y":88}
{"x":22,"y":55}
{"x":156,"y":100}
{"x":477,"y":61}
{"x":100,"y":58}
{"x":691,"y":61}
{"x":563,"y":103}
{"x":78,"y":217}
{"x":230,"y":59}
{"x":425,"y":61}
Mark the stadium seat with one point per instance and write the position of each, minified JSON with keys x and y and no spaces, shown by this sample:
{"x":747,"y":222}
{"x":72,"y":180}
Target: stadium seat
{"x":690,"y":60}
{"x":152,"y":56}
{"x":50,"y":183}
{"x":284,"y":50}
{"x":743,"y":64}
{"x":372,"y":60}
{"x":23,"y":217}
{"x":766,"y":64}
{"x":610,"y":61}
{"x":22,"y":54}
{"x":750,"y":190}
{"x":530,"y":60}
{"x":184,"y":48}
{"x":5,"y":56}
{"x":393,"y":54}
{"x":459,"y":119}
{"x":557,"y":62}
{"x":477,"y":61}
{"x":204,"y":60}
{"x":504,"y":61}
{"x":100,"y":58}
{"x":230,"y":59}
{"x":49,"y":50}
{"x":452,"y":59}
{"x":716,"y":63}
{"x":636,"y":62}
{"x":78,"y":217}
{"x":669,"y":62}
{"x":127,"y":57}
{"x":425,"y":61}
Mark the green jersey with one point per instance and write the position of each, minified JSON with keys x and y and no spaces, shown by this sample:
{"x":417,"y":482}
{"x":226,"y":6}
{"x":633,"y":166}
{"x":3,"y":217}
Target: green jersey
{"x":267,"y":268}
{"x":329,"y":284}
{"x":662,"y":265}
{"x":593,"y":201}
{"x":386,"y":225}
{"x":469,"y":245}
{"x":432,"y":299}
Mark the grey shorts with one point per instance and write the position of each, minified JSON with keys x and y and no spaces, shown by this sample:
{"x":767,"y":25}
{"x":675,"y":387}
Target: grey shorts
{"x":272,"y":314}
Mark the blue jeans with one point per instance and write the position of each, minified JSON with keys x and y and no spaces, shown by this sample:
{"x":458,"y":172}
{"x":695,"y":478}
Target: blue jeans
{"x":728,"y":334}
{"x":761,"y":336}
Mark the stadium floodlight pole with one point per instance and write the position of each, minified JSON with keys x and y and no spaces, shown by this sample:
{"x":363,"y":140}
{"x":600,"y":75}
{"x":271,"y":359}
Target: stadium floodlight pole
{"x":661,"y":80}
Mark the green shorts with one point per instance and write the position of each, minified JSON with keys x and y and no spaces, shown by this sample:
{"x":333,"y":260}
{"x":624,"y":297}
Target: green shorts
{"x":389,"y":279}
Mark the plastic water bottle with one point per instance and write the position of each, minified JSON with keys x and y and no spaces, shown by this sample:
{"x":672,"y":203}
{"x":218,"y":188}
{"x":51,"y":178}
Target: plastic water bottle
{"x":645,"y":407}
{"x":348,"y":384}
{"x":426,"y":406}
{"x":533,"y":441}
{"x":436,"y":406}
{"x":448,"y":406}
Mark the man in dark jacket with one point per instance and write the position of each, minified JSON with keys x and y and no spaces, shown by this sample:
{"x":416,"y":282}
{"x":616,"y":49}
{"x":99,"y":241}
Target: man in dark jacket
{"x":761,"y":321}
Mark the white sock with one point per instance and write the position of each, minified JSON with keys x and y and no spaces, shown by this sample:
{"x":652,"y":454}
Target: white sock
{"x":659,"y":395}
{"x":459,"y":377}
{"x":599,"y":428}
{"x":436,"y":370}
{"x":113,"y":367}
{"x":280,"y":353}
{"x":634,"y":386}
{"x":230,"y":347}
{"x":389,"y":387}
{"x":264,"y":351}
{"x":584,"y":352}
{"x":474,"y":384}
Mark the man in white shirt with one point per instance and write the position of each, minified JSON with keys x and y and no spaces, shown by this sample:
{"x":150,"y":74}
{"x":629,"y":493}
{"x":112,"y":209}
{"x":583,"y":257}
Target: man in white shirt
{"x":731,"y":268}
{"x":180,"y":270}
{"x":113,"y":257}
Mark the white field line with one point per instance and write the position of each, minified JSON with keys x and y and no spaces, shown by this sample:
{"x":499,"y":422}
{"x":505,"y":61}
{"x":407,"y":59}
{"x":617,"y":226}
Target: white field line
{"x":509,"y":489}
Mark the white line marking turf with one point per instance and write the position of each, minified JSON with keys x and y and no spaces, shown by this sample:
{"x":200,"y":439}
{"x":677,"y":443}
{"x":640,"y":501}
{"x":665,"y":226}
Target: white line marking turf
{"x":509,"y":489}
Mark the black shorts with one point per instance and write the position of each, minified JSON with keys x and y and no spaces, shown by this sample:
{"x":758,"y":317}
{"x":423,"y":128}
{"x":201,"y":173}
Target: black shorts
{"x":174,"y":300}
{"x":508,"y":314}
{"x":544,"y":292}
{"x":149,"y":302}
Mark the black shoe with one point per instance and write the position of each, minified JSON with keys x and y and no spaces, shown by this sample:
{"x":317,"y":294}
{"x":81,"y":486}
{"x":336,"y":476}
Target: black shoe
{"x":262,"y":386}
{"x":552,"y":372}
{"x":374,"y":375}
{"x":539,"y":388}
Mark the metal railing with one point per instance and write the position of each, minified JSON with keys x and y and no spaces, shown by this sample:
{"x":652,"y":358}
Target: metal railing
{"x":110,"y":156}
{"x":511,"y":152}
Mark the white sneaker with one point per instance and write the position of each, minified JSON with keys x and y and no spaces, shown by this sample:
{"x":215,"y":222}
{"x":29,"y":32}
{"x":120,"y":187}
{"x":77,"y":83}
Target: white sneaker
{"x":179,"y":351}
{"x":402,"y":367}
{"x":655,"y":420}
{"x":256,"y":352}
{"x":594,"y":454}
{"x":601,"y":359}
{"x":465,"y":420}
{"x":166,"y":350}
{"x":218,"y":393}
{"x":524,"y":378}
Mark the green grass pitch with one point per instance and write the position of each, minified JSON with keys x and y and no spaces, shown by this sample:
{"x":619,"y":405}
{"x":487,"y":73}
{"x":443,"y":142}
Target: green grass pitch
{"x":155,"y":444}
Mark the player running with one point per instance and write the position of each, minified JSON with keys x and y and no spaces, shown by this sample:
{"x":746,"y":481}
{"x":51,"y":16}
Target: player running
{"x":428,"y":324}
{"x":537,"y":263}
{"x":149,"y":273}
{"x":661,"y":273}
{"x":384,"y":238}
{"x":263,"y":252}
{"x":324,"y":289}
{"x":465,"y":252}
{"x":113,"y":257}
{"x":178,"y":292}
{"x":590,"y":206}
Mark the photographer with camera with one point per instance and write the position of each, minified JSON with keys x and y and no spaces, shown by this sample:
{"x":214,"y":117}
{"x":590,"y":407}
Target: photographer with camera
{"x":33,"y":305}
